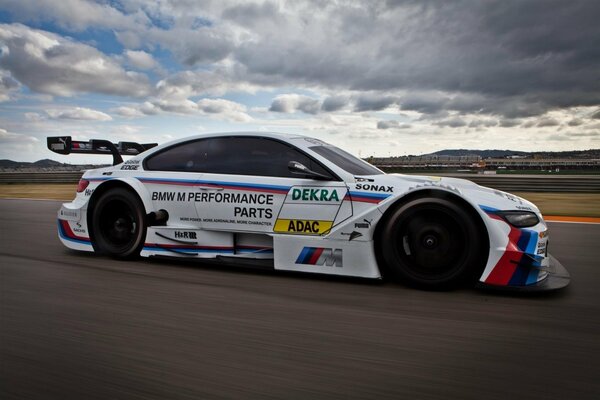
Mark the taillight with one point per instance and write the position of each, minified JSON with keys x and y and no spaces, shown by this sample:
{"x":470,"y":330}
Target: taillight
{"x":82,"y":185}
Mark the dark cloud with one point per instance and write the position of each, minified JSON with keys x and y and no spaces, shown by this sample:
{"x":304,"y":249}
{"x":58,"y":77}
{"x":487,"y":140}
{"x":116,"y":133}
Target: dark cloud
{"x":575,"y":122}
{"x":373,"y":102}
{"x":290,"y":103}
{"x":506,"y":58}
{"x":483,"y":123}
{"x":392,"y":124}
{"x":428,"y":103}
{"x":248,"y":14}
{"x":509,"y":123}
{"x":387,"y":124}
{"x":334,"y":103}
{"x":545,"y":122}
{"x":455,"y":122}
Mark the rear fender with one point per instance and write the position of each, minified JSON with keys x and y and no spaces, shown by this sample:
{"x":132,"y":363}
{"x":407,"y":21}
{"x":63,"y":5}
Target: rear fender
{"x":129,"y":183}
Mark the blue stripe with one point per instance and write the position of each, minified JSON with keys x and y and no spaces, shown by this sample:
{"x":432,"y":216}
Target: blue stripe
{"x":533,"y":239}
{"x":487,"y":209}
{"x":305,"y":255}
{"x":376,"y":196}
{"x":526,"y":242}
{"x":520,"y":276}
{"x":533,"y":276}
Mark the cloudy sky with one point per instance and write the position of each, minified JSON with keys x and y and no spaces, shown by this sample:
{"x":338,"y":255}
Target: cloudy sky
{"x":374,"y":77}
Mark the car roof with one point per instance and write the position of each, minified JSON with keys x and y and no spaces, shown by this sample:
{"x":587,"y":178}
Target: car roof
{"x":277,"y":135}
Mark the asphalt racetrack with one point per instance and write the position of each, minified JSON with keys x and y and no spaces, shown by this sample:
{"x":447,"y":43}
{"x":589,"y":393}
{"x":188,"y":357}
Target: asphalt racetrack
{"x":78,"y":326}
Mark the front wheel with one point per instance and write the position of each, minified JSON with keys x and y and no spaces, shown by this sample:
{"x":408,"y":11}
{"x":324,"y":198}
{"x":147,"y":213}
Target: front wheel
{"x":119,"y":224}
{"x":433,"y":243}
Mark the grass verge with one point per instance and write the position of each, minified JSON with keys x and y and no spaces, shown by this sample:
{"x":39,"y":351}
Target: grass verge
{"x":567,"y":204}
{"x":51,"y":191}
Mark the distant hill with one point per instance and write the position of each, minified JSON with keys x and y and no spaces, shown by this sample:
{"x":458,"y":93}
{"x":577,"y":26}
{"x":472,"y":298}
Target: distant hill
{"x":47,"y":163}
{"x":10,"y":164}
{"x":43,"y":165}
{"x":482,"y":153}
{"x":592,"y":153}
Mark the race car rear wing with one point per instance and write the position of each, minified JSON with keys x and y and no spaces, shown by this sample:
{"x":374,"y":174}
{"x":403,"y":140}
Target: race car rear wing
{"x":65,"y":145}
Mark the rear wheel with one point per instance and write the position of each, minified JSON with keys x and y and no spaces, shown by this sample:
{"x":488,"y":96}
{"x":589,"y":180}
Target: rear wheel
{"x":433,"y":243}
{"x":119,"y":224}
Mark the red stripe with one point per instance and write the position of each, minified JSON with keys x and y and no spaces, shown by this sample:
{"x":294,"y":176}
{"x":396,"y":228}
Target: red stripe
{"x":315,"y":256}
{"x":506,"y":266}
{"x":367,"y":200}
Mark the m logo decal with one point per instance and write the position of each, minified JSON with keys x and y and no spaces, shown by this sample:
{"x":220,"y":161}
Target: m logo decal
{"x":320,"y":256}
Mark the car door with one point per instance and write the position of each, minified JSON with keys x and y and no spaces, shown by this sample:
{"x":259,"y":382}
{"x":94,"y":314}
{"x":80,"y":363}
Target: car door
{"x":247,"y":187}
{"x":171,"y":177}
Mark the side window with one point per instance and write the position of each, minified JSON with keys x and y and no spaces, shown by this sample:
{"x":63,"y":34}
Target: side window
{"x":233,"y":155}
{"x":185,"y":157}
{"x":257,"y":156}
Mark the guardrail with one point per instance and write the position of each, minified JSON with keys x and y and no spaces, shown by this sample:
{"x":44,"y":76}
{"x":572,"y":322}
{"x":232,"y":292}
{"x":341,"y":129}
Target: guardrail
{"x":40,"y":177}
{"x":509,"y":183}
{"x":536,"y":183}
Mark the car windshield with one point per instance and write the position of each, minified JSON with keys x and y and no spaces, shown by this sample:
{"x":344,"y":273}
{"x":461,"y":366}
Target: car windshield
{"x":346,"y":161}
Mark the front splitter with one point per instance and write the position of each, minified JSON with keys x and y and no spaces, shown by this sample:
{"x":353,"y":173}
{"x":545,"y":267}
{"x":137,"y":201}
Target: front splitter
{"x":558,"y":277}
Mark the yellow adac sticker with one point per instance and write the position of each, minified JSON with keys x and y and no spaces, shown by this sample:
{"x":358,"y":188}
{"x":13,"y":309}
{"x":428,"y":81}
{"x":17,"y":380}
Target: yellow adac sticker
{"x":302,"y":226}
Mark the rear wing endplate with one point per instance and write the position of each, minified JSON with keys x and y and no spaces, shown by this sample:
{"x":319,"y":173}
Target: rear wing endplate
{"x":65,"y":145}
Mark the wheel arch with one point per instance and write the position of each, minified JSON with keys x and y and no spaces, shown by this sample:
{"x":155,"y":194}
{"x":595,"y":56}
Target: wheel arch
{"x":424,"y":193}
{"x":133,"y":186}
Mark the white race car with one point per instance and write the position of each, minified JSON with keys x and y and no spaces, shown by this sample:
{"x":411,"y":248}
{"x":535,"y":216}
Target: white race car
{"x":296,"y":203}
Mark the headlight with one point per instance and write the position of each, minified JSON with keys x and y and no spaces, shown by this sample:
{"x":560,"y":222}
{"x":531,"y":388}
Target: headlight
{"x":520,"y":219}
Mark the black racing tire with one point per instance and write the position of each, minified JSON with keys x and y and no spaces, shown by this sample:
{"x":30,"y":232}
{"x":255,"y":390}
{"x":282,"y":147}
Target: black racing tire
{"x":119,"y":224}
{"x":433,"y":243}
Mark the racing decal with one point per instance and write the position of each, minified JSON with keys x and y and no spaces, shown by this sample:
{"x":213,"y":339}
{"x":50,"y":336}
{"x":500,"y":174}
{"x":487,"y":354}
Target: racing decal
{"x":364,"y":224}
{"x":191,"y":235}
{"x":303,"y":227}
{"x":131,"y":165}
{"x":316,"y":195}
{"x":213,"y":197}
{"x":70,"y":214}
{"x":321,"y":256}
{"x":222,"y":205}
{"x":66,"y":232}
{"x":375,"y":188}
{"x":61,"y":145}
{"x":352,"y":235}
{"x":519,"y":265}
{"x":311,"y":210}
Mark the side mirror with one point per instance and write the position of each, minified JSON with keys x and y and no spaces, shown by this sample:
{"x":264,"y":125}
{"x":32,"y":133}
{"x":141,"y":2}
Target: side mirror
{"x":298,"y":168}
